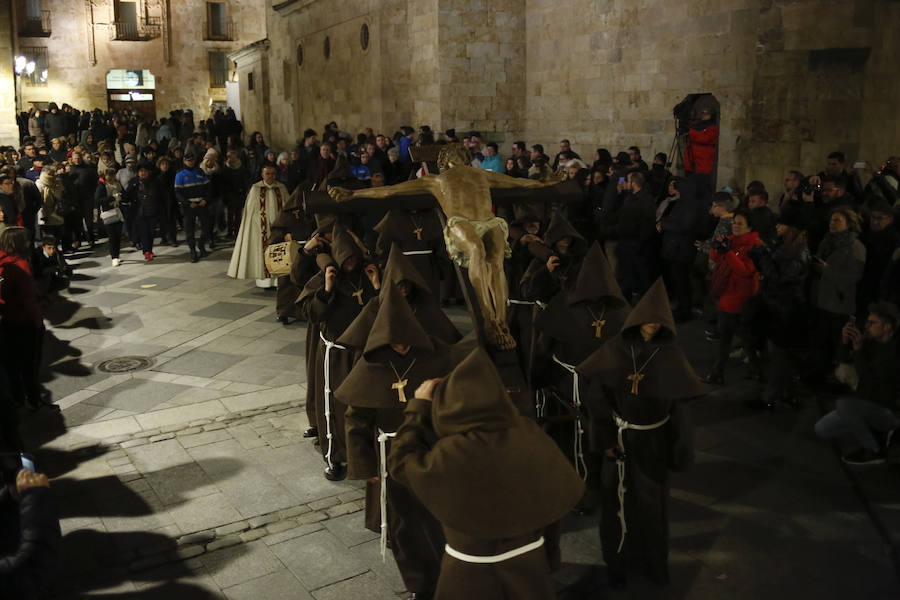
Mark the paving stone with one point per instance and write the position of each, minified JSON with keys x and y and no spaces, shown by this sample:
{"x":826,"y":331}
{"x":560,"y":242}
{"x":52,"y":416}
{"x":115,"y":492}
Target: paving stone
{"x":224,"y":542}
{"x":136,"y":395}
{"x":205,"y":512}
{"x":227,"y":310}
{"x":367,"y":585}
{"x":262,"y":520}
{"x":239,"y":564}
{"x":189,"y":431}
{"x":199,"y":363}
{"x":324,"y":503}
{"x":294,"y":511}
{"x":318,"y":559}
{"x":313,"y":517}
{"x":280,"y":584}
{"x":253,"y":534}
{"x":161,"y":437}
{"x":282,"y":525}
{"x":349,"y":529}
{"x":214,"y":426}
{"x":206,"y":437}
{"x":200,"y":537}
{"x":290,"y":534}
{"x":342,"y":509}
{"x":232,"y":528}
{"x":185,"y":552}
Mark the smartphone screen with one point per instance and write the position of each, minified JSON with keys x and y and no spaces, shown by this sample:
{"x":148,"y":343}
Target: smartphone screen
{"x":27,"y":463}
{"x":621,"y":180}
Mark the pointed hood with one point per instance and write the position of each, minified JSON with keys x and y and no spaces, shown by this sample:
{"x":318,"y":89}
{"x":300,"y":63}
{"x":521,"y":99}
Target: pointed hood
{"x":559,"y":228}
{"x":343,"y":246}
{"x":324,"y":224}
{"x":492,"y":474}
{"x":395,"y":323}
{"x":358,"y":331}
{"x":400,"y":268}
{"x":472,"y":397}
{"x":596,"y":281}
{"x":654,"y":307}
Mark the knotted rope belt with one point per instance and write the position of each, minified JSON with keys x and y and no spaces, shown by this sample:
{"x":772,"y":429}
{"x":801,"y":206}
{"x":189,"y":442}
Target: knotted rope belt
{"x":497,"y":558}
{"x":382,"y":449}
{"x":417,"y":252}
{"x":538,"y":303}
{"x":328,"y":347}
{"x":622,"y":425}
{"x":578,"y":447}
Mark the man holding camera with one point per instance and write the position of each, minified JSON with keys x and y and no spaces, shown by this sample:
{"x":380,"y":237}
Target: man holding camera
{"x":867,"y":415}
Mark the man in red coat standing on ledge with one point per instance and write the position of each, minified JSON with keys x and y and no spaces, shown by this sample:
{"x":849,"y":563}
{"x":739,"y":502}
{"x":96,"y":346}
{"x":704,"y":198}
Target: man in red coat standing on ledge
{"x":700,"y":151}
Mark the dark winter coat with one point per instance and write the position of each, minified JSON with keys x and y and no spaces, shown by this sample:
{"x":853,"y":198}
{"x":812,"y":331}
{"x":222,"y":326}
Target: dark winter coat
{"x":700,"y":151}
{"x":743,"y":281}
{"x":29,"y":543}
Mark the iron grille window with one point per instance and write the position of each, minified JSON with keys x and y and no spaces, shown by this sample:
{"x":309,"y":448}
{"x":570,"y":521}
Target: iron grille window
{"x":37,"y":54}
{"x":218,"y":69}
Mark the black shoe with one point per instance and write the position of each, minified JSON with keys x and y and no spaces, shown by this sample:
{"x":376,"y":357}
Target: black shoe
{"x":863,"y":456}
{"x":713,"y":379}
{"x":203,"y":252}
{"x":284,"y":320}
{"x":194,"y":257}
{"x":336,"y":473}
{"x":312,"y":432}
{"x":713,"y":337}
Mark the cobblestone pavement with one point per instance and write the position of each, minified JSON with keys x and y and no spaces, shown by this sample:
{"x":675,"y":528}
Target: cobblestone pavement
{"x":191,"y":479}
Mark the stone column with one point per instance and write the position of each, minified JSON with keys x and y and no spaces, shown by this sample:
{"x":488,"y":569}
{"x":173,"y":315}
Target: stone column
{"x":9,"y":132}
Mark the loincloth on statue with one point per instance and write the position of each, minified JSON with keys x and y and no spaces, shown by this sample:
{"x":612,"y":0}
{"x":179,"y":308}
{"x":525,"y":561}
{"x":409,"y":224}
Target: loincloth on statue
{"x":481,"y":227}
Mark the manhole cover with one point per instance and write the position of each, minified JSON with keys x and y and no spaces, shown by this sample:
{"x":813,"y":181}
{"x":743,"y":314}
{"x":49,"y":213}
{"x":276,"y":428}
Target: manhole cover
{"x":125,"y":364}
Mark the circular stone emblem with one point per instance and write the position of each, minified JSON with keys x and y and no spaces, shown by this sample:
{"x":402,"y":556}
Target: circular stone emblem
{"x":125,"y":364}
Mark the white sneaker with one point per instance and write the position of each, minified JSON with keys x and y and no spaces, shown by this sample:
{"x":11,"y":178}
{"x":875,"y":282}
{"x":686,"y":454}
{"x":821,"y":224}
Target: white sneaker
{"x":115,"y":262}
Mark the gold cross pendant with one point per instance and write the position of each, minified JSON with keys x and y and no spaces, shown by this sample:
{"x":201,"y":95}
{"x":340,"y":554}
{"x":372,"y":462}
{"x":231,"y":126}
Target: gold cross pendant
{"x":598,"y":327}
{"x":418,"y":232}
{"x":635,"y":379}
{"x":401,"y":395}
{"x":358,"y":293}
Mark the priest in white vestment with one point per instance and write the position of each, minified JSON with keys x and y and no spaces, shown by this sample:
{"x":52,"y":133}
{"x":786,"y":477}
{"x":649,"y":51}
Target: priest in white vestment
{"x":265,"y":202}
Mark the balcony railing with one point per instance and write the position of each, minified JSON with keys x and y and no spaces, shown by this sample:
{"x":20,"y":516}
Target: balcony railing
{"x":216,"y":32}
{"x":141,"y":31}
{"x":36,"y":26}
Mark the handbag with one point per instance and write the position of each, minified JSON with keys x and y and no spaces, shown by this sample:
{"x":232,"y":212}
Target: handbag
{"x":111,"y":216}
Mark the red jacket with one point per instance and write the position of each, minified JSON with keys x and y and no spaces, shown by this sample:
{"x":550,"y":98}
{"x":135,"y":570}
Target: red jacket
{"x":743,"y":280}
{"x":700,"y":152}
{"x":20,"y":300}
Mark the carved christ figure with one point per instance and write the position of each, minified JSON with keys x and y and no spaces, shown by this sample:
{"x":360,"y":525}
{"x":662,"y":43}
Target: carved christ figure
{"x":475,"y":237}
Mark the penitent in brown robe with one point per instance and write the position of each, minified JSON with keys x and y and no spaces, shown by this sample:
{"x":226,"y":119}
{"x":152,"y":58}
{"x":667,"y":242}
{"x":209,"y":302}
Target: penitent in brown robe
{"x":376,"y":392}
{"x":574,"y":324}
{"x":420,"y":237}
{"x":493,"y":479}
{"x":333,"y":312}
{"x":643,"y":383}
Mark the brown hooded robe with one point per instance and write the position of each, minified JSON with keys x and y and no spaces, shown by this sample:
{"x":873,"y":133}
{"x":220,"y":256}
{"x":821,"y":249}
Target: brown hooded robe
{"x":493,"y":479}
{"x":573,"y":325}
{"x":333,"y":312}
{"x":664,"y":377}
{"x":420,"y":234}
{"x":375,"y":407}
{"x":300,"y":230}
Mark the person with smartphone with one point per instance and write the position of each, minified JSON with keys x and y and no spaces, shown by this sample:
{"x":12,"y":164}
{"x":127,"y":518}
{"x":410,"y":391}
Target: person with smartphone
{"x":29,"y":533}
{"x":867,"y":415}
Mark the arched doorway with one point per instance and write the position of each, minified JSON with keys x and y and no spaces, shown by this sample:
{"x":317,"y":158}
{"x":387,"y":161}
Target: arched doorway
{"x":132,"y":89}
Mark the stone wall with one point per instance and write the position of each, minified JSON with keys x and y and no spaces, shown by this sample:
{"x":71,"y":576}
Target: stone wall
{"x":78,"y":65}
{"x":796,"y":79}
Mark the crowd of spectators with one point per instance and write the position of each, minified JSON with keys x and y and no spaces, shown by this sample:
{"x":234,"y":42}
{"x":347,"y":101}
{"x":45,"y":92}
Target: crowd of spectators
{"x":803,"y":286}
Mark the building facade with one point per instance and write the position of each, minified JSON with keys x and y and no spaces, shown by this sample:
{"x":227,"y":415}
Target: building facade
{"x":150,"y":55}
{"x":795,"y":79}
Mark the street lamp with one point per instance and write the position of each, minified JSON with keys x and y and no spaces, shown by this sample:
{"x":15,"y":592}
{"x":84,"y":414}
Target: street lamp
{"x":20,"y":63}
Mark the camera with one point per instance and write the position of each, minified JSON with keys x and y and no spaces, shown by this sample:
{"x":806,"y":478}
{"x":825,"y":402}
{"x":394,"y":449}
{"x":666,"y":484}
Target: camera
{"x":807,"y":187}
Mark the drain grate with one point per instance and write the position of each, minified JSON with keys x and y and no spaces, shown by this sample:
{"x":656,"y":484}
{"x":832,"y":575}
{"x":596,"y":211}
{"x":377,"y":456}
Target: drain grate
{"x":125,"y":364}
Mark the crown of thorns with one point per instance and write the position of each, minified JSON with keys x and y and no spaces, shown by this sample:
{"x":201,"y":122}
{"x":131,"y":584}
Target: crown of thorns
{"x":451,"y":151}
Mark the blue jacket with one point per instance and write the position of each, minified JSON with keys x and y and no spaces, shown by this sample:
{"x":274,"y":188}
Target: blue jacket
{"x":191,"y":186}
{"x":492,"y":163}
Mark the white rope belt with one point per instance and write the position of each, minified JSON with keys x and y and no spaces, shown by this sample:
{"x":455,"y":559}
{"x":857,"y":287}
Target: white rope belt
{"x":540,"y":403}
{"x":497,"y":558}
{"x":417,"y":252}
{"x":328,"y":346}
{"x":622,"y":425}
{"x":538,"y":303}
{"x":578,"y":449}
{"x":382,"y":449}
